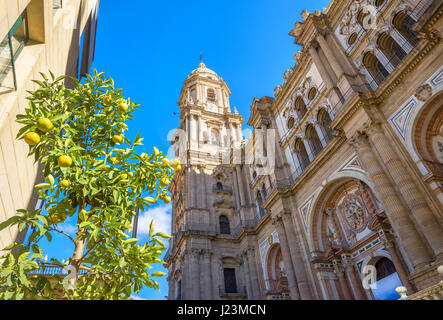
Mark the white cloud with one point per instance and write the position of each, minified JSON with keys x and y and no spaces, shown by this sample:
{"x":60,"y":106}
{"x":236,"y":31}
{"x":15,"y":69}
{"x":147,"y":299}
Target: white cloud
{"x":162,"y":220}
{"x":68,"y":228}
{"x":134,"y":297}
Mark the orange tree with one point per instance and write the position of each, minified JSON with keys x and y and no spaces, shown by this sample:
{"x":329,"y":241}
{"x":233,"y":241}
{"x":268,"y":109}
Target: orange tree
{"x":92,"y":172}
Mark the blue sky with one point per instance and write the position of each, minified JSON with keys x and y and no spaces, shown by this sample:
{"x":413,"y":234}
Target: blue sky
{"x":149,"y":48}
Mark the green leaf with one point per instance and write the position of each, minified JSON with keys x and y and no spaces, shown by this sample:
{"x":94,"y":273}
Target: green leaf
{"x":151,"y":228}
{"x":43,"y":186}
{"x":9,"y":222}
{"x":162,"y":235}
{"x":158,"y":274}
{"x":131,"y":240}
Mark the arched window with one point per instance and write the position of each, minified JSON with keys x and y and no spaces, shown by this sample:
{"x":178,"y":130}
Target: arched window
{"x":301,"y":154}
{"x":219,"y":186}
{"x":391,"y":49}
{"x":325,"y":123}
{"x":375,"y":68}
{"x":403,"y":23}
{"x":300,"y":107}
{"x":224,"y":225}
{"x":314,"y":140}
{"x":215,"y":139}
{"x":291,"y":122}
{"x":312,"y":93}
{"x":210,"y":93}
{"x":352,"y":38}
{"x":384,"y":268}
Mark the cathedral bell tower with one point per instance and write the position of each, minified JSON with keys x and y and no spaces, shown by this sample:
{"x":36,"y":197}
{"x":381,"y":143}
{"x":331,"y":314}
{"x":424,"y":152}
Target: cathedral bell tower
{"x":208,"y":193}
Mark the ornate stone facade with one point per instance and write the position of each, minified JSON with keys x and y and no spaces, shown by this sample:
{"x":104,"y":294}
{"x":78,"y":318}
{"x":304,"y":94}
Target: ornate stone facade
{"x":341,"y":180}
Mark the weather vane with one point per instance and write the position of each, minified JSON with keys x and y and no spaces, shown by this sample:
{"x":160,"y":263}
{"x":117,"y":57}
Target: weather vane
{"x":201,"y":57}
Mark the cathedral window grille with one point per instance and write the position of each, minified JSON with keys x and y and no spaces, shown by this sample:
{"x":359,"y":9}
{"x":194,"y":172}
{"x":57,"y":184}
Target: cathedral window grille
{"x":325,"y":123}
{"x":224,"y":225}
{"x":391,"y":49}
{"x":375,"y":68}
{"x":179,"y":290}
{"x":211,"y":95}
{"x":230,"y":280}
{"x":314,"y":140}
{"x":404,"y":23}
{"x":301,"y":154}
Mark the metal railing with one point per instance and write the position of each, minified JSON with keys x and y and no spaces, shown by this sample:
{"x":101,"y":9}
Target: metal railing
{"x":223,"y":188}
{"x":244,"y":224}
{"x":47,"y":268}
{"x":237,"y":290}
{"x":415,"y":13}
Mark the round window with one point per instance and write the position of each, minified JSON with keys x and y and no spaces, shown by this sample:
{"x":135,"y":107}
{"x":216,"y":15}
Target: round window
{"x":291,"y":123}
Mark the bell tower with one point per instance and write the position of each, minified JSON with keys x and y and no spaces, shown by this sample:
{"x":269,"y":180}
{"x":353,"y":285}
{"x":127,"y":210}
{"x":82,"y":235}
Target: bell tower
{"x":208,"y":194}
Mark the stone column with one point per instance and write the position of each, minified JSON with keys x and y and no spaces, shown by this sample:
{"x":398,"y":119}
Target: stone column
{"x":397,"y":214}
{"x":253,"y":273}
{"x":240,"y":184}
{"x":412,"y":195}
{"x":195,"y":274}
{"x":321,"y":68}
{"x":297,"y":258}
{"x":289,"y":266}
{"x":206,"y":275}
{"x":390,"y":245}
{"x":355,"y":280}
{"x":339,"y":271}
{"x":330,"y":56}
{"x":322,"y":136}
{"x":308,"y":148}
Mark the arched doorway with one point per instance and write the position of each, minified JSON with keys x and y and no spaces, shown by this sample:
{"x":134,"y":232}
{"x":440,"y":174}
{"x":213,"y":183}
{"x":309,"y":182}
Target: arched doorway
{"x":387,"y":280}
{"x":348,"y":228}
{"x":277,"y":281}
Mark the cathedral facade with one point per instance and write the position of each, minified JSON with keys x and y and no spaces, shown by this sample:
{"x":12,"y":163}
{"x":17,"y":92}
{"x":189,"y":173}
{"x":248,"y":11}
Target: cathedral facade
{"x":338,"y":191}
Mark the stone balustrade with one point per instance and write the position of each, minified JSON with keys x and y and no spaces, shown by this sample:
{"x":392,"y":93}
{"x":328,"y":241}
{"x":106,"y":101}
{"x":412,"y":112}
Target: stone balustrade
{"x":434,"y":292}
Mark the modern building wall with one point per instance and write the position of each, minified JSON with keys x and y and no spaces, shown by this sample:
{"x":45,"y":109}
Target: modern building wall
{"x":53,"y":45}
{"x":357,"y":181}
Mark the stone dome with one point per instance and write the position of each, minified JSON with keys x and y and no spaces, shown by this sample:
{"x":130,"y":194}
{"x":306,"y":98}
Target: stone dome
{"x":203,"y":71}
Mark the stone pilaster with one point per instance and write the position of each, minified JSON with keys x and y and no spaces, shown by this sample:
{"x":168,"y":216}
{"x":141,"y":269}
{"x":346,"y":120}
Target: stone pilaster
{"x":355,"y":279}
{"x":205,"y":265}
{"x":340,"y":272}
{"x":195,"y":274}
{"x":289,"y":266}
{"x":250,"y":252}
{"x":397,"y":214}
{"x":412,"y":195}
{"x":297,"y":257}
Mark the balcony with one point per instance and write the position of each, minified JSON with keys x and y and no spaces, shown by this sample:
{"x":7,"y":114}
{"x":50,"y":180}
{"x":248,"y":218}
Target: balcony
{"x":233,"y":292}
{"x":49,"y":269}
{"x":221,"y":188}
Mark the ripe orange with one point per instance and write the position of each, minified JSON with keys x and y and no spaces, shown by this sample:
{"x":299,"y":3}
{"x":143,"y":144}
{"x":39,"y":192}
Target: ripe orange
{"x":167,"y":199}
{"x":32,"y":138}
{"x":64,"y":161}
{"x":44,"y":124}
{"x":107,"y":100}
{"x":123,"y":106}
{"x":65,"y":183}
{"x":164,"y":182}
{"x":118,"y":138}
{"x":165,"y":162}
